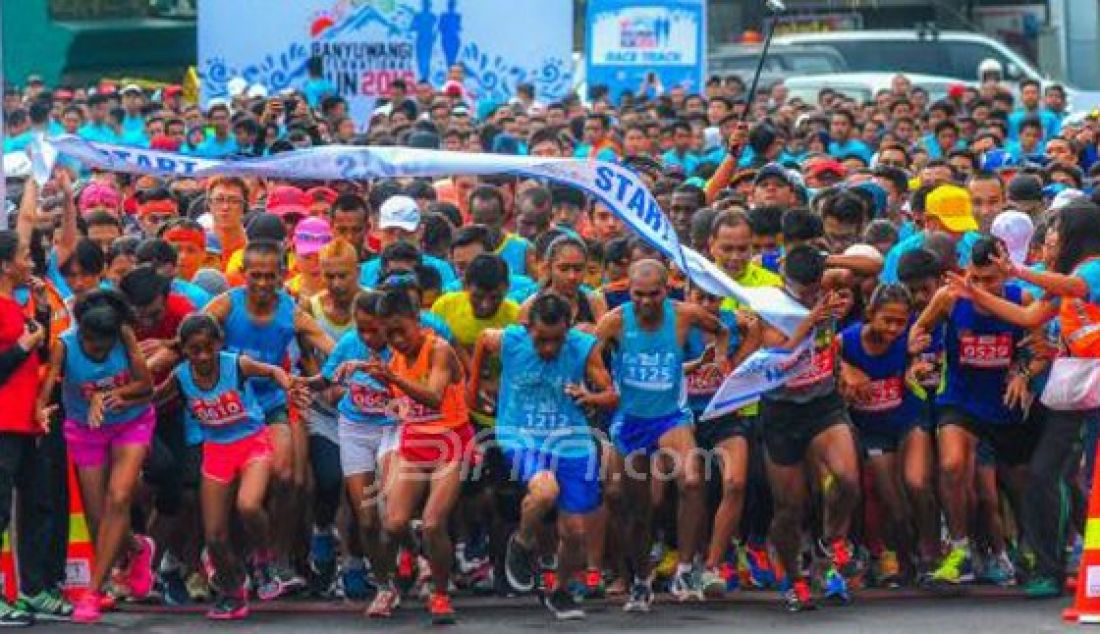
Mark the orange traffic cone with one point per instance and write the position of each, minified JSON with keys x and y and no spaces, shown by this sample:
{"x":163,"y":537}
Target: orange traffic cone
{"x":8,"y":577}
{"x":1086,"y":602}
{"x":78,"y":562}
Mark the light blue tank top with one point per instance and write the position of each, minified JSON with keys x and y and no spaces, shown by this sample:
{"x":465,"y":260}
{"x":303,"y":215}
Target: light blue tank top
{"x":533,"y":410}
{"x":85,"y":376}
{"x":366,"y":400}
{"x":649,"y":367}
{"x":229,"y":411}
{"x":267,"y":342}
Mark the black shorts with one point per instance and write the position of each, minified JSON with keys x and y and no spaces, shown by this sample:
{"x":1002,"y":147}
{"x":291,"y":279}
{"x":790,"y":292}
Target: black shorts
{"x":789,"y":428}
{"x":711,"y":433}
{"x":877,"y":441}
{"x":1011,"y":443}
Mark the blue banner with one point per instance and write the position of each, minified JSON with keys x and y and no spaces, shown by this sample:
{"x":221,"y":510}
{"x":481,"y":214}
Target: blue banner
{"x":364,"y":45}
{"x":646,"y":46}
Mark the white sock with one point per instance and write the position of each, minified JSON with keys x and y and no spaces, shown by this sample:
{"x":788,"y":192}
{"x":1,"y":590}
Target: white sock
{"x":682,"y":568}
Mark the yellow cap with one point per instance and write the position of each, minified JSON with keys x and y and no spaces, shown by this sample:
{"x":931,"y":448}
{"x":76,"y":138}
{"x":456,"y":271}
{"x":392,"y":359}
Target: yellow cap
{"x":952,"y":206}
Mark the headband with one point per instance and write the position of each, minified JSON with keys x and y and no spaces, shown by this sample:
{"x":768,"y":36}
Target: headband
{"x":164,"y":206}
{"x":182,"y":234}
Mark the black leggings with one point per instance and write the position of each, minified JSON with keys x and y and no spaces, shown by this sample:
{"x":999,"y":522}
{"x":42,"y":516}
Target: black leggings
{"x":328,"y":479}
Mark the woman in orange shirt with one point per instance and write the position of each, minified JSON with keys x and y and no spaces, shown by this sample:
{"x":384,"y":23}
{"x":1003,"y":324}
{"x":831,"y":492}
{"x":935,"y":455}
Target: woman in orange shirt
{"x":434,"y":437}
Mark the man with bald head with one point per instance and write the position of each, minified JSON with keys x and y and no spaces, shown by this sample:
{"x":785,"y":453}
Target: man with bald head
{"x":646,"y":338}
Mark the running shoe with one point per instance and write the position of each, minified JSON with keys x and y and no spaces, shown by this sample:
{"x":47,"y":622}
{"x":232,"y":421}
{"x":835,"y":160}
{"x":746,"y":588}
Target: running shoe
{"x":835,"y":587}
{"x":87,"y":609}
{"x":641,"y":597}
{"x":998,"y":570}
{"x":685,"y":586}
{"x":957,"y":567}
{"x":385,"y":601}
{"x":277,"y":581}
{"x":666,"y":565}
{"x":483,"y":579}
{"x":424,"y":586}
{"x":594,"y":586}
{"x":229,"y":607}
{"x":198,"y":587}
{"x":354,"y":583}
{"x":713,"y":583}
{"x":797,"y":598}
{"x":45,"y":606}
{"x":14,"y":616}
{"x":519,"y":566}
{"x":1042,"y":588}
{"x":563,"y":606}
{"x":439,"y":606}
{"x":842,"y":558}
{"x":761,"y":573}
{"x":322,"y":563}
{"x":889,"y":570}
{"x":140,"y":578}
{"x":406,"y":569}
{"x":173,"y":588}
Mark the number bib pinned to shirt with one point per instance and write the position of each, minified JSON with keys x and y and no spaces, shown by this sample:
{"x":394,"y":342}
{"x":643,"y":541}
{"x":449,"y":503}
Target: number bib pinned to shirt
{"x":885,"y":394}
{"x":986,"y":352}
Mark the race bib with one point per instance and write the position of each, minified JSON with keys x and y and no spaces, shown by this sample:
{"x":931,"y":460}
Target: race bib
{"x":368,"y":400}
{"x":705,"y":380}
{"x":821,"y":368}
{"x":88,"y":388}
{"x":226,"y":409}
{"x":885,"y":395}
{"x":987,"y":352}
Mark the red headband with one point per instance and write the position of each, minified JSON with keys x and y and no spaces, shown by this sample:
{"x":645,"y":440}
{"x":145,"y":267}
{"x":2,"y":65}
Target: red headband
{"x":181,"y":234}
{"x":157,"y":206}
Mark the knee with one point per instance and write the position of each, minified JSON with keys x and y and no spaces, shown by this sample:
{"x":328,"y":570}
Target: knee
{"x":847,"y":486}
{"x":953,"y":468}
{"x":396,"y":522}
{"x":733,"y":488}
{"x":690,"y":483}
{"x":434,"y":525}
{"x":573,"y":529}
{"x":250,"y":509}
{"x":543,"y":490}
{"x":613,"y":495}
{"x":119,"y":500}
{"x":917,"y":485}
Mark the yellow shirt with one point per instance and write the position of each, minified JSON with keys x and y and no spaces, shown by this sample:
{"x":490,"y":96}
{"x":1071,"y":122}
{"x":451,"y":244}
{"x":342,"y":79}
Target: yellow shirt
{"x":455,"y":309}
{"x":754,"y":276}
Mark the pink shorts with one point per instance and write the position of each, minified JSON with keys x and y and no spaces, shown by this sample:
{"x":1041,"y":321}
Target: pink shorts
{"x":222,"y":463}
{"x":92,"y":447}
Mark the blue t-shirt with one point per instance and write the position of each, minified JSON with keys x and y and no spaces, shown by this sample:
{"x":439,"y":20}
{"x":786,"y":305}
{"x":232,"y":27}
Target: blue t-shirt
{"x":890,"y":267}
{"x":851,"y":147}
{"x":213,"y":148}
{"x":365,"y":400}
{"x":227,"y":412}
{"x":97,"y":133}
{"x":1052,"y":125}
{"x":688,"y":162}
{"x":198,"y":297}
{"x":316,"y":89}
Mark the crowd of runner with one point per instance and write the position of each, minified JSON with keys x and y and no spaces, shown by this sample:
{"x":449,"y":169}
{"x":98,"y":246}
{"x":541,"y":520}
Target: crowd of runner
{"x":401,"y":387}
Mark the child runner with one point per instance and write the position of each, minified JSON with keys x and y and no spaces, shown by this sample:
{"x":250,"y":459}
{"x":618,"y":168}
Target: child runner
{"x":888,"y":414}
{"x":236,"y":449}
{"x":542,"y":429}
{"x":109,"y":424}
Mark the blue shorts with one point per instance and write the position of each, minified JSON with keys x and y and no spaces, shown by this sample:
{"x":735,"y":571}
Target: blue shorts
{"x":578,"y":478}
{"x":631,"y":435}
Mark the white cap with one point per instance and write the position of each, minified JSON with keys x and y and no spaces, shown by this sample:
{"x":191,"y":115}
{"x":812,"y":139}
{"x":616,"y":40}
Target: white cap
{"x":864,"y":251}
{"x":257,"y":90}
{"x":17,"y":165}
{"x":129,"y":88}
{"x":237,"y":86}
{"x":1016,"y":229}
{"x":399,"y":212}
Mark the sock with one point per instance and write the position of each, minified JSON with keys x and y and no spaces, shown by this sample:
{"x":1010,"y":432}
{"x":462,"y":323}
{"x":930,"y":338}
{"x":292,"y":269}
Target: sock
{"x":683,"y":568}
{"x":961,"y":543}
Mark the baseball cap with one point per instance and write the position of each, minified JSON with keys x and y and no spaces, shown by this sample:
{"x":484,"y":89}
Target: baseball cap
{"x":237,"y":86}
{"x":1025,"y":188}
{"x":33,"y":80}
{"x":1016,"y":229}
{"x":173,"y":89}
{"x":211,"y":280}
{"x":99,"y":195}
{"x":311,"y":235}
{"x":824,"y":166}
{"x":257,"y":91}
{"x":952,"y":206}
{"x":460,"y":110}
{"x":287,"y":199}
{"x":877,"y":195}
{"x":1067,"y":196}
{"x":452,"y":88}
{"x":132,"y":89}
{"x":773,"y":170}
{"x":399,"y":212}
{"x":164,"y":142}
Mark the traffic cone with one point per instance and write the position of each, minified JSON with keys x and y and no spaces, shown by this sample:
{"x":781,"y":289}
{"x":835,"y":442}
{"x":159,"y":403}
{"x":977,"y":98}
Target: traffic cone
{"x":8,"y":578}
{"x":78,"y":558}
{"x":1086,"y":602}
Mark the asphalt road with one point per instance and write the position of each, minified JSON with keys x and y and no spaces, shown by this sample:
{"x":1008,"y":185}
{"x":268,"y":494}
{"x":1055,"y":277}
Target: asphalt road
{"x":872,"y":613}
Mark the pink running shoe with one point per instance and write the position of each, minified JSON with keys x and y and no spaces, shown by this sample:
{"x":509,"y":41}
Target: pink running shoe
{"x":87,"y":609}
{"x":141,"y":567}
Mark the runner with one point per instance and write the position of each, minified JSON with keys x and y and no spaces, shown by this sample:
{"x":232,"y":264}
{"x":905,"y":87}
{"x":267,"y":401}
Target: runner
{"x":236,"y":450}
{"x":544,"y":434}
{"x":646,"y":338}
{"x":807,"y":431}
{"x":106,"y":388}
{"x":888,"y":415}
{"x":261,"y":321}
{"x":981,"y":397}
{"x":433,"y":442}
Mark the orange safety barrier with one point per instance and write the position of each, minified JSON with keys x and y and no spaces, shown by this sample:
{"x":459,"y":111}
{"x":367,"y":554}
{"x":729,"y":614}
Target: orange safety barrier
{"x":1086,"y":602}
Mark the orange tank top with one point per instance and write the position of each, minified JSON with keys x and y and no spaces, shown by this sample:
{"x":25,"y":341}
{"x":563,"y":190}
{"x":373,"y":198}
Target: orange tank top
{"x":452,"y":413}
